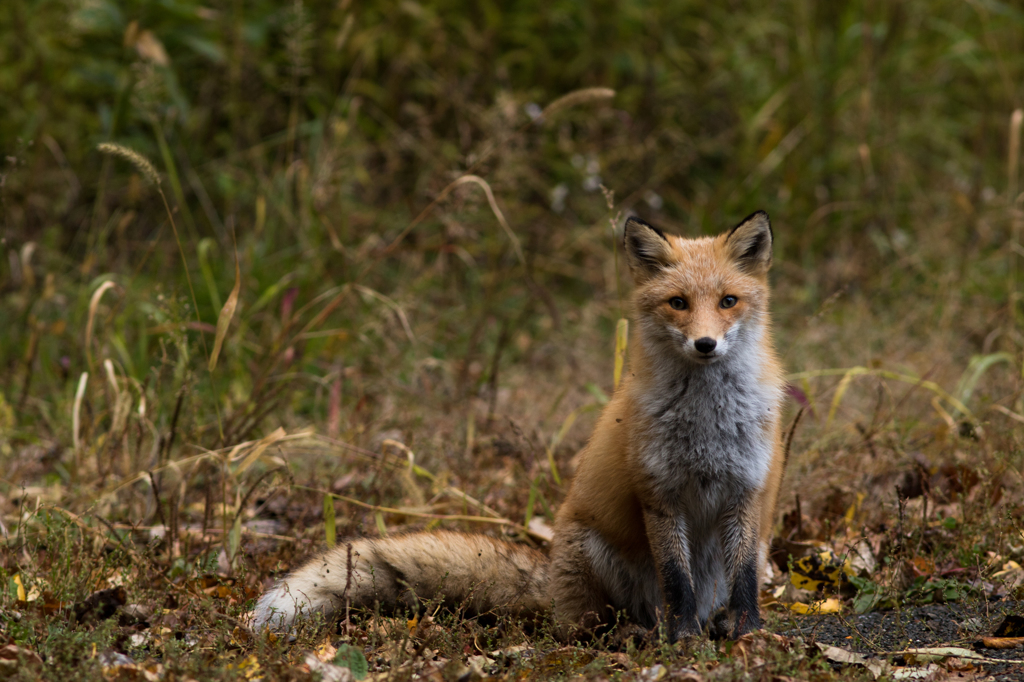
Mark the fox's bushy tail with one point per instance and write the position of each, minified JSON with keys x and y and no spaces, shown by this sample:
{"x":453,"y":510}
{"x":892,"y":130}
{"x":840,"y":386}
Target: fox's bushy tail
{"x":473,"y":572}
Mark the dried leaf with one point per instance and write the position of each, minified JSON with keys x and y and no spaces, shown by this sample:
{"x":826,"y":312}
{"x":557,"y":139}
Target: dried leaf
{"x":916,"y":673}
{"x":840,"y":655}
{"x":226,"y":313}
{"x":259,"y":448}
{"x":1002,"y":642}
{"x":877,"y":667}
{"x":939,"y":653}
{"x":325,"y":651}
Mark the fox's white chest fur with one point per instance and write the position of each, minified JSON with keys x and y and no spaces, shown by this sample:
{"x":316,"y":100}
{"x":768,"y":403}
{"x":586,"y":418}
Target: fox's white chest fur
{"x":706,"y":435}
{"x":706,"y":445}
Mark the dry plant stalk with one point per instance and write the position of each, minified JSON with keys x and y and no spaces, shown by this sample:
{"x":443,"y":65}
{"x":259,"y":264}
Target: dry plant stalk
{"x":141,"y":163}
{"x":1016,"y":220}
{"x":575,"y":98}
{"x":94,"y":303}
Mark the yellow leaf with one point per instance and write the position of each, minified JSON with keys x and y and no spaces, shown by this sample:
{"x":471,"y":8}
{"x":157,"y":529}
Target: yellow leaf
{"x":820,"y":571}
{"x":326,"y":651}
{"x":226,"y":313}
{"x":22,"y":596}
{"x":854,"y":508}
{"x":819,"y":607}
{"x":249,"y":667}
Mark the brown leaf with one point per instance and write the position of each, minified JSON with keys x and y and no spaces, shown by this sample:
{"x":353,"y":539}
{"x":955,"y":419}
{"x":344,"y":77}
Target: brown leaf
{"x":1002,"y":642}
{"x":15,"y":653}
{"x":922,"y":566}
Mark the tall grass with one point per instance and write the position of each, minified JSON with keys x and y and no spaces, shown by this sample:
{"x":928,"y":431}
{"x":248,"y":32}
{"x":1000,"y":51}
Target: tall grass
{"x":385,"y":222}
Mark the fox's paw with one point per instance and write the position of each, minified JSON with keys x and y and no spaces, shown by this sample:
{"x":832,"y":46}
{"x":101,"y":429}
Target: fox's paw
{"x":627,"y":634}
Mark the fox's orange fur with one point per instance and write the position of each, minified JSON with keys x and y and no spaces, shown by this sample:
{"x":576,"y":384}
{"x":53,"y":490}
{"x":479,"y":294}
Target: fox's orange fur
{"x":670,"y":514}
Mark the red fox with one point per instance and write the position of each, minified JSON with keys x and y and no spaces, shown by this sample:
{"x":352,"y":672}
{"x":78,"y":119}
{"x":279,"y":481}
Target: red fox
{"x":669,"y":516}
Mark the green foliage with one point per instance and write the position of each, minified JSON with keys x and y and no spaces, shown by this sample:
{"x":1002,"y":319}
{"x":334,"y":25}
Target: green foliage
{"x":870,"y":595}
{"x":352,"y":658}
{"x":321,"y":141}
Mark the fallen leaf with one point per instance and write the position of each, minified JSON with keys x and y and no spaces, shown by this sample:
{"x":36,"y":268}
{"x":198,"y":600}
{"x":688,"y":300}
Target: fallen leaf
{"x":938,"y":653}
{"x":14,"y":658}
{"x":653,"y":674}
{"x":819,"y":607}
{"x":876,"y":667}
{"x":915,"y":673}
{"x":820,"y":571}
{"x":326,"y":651}
{"x":20,"y":594}
{"x":1002,"y":642}
{"x":250,"y":667}
{"x":840,"y":655}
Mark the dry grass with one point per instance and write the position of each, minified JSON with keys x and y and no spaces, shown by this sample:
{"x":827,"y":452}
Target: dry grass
{"x":390,"y":300}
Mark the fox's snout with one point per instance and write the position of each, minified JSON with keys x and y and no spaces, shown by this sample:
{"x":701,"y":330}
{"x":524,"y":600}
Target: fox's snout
{"x":705,"y":347}
{"x":705,"y":344}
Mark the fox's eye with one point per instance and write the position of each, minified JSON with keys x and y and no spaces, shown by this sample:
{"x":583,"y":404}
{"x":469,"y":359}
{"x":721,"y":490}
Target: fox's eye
{"x":677,"y":303}
{"x":728,"y":301}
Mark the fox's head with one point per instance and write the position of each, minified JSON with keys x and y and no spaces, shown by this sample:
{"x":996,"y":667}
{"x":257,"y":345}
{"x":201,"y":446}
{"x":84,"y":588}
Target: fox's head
{"x":704,"y":296}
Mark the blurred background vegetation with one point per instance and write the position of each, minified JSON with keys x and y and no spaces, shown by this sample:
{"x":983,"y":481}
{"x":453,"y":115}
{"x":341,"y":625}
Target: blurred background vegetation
{"x":318,"y":142}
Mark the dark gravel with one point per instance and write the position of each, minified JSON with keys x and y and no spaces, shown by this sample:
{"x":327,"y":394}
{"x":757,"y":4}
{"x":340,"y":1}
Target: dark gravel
{"x":961,"y":624}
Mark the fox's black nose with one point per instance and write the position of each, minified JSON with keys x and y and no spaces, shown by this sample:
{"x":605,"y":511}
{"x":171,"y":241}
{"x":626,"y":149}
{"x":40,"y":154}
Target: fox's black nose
{"x":705,"y":345}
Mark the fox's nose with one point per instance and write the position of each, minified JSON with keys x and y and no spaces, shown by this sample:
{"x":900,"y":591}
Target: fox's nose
{"x":705,"y":345}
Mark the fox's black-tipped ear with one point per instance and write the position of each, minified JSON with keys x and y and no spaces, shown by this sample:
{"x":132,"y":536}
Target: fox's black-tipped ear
{"x":647,"y":249}
{"x":750,"y":243}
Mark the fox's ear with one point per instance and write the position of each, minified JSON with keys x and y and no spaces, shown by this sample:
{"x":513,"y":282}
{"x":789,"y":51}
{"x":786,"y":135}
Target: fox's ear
{"x":647,"y":249}
{"x":750,"y":243}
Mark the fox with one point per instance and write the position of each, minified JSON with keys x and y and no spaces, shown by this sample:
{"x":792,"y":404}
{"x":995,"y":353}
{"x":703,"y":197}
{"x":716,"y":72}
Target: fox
{"x":669,"y":516}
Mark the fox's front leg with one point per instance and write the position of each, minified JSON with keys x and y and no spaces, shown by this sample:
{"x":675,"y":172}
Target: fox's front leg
{"x":739,"y":541}
{"x":669,"y":540}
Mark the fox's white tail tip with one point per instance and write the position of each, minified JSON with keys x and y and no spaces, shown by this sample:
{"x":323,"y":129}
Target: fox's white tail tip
{"x":275,"y":610}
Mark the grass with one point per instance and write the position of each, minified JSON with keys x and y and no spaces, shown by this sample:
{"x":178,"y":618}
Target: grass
{"x":352,"y":261}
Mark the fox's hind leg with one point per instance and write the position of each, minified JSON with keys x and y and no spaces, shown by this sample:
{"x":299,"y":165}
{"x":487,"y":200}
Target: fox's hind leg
{"x":580,"y":600}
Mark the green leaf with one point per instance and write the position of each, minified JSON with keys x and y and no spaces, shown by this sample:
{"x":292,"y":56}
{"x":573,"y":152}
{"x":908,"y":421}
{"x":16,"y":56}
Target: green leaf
{"x":352,"y":658}
{"x":235,"y":538}
{"x":329,"y":527}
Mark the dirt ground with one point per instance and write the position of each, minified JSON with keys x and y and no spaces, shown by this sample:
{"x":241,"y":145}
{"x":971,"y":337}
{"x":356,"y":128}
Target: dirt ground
{"x":961,"y":624}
